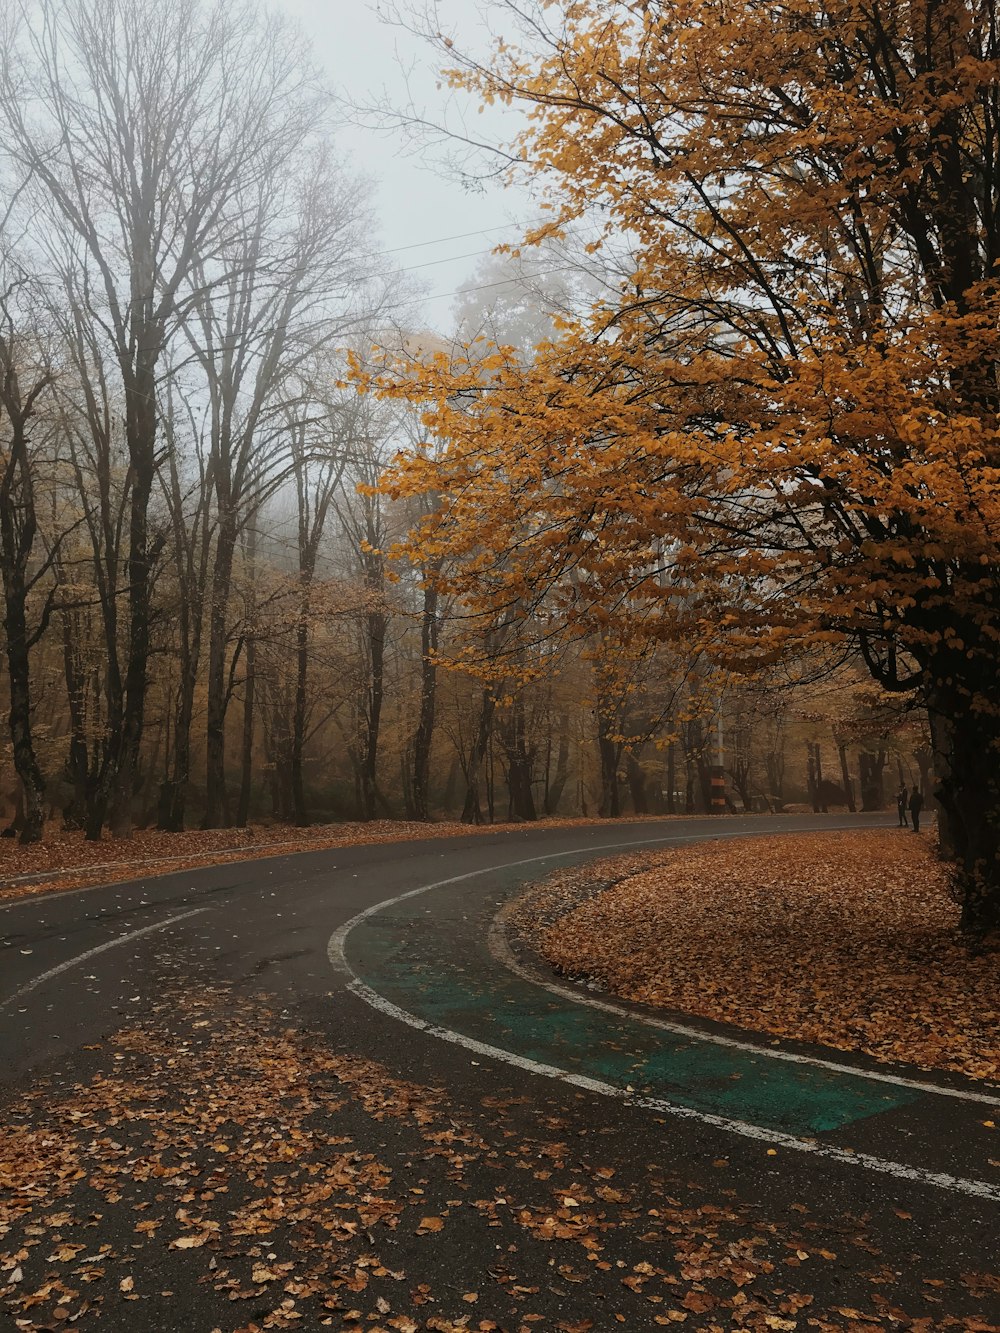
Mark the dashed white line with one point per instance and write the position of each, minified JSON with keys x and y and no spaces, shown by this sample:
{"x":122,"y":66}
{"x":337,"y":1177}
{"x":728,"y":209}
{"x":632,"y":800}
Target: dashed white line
{"x":92,"y":953}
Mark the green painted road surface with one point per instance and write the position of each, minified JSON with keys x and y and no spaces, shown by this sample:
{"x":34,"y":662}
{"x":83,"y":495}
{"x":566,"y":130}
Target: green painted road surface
{"x":427,"y":956}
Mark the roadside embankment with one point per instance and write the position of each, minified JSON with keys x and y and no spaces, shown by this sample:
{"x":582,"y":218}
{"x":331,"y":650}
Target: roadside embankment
{"x":846,"y":939}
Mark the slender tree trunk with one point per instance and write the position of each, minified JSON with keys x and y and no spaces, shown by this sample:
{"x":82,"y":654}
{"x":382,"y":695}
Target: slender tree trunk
{"x":18,"y":526}
{"x":871,"y":767}
{"x":25,"y":759}
{"x":636,"y":784}
{"x":519,"y":765}
{"x":471,"y":809}
{"x":299,"y":707}
{"x":775,"y":765}
{"x":246,"y":762}
{"x":424,"y":735}
{"x":18,"y":674}
{"x":376,"y":627}
{"x":174,"y":798}
{"x":557,"y":785}
{"x":610,"y":752}
{"x":140,"y":429}
{"x":845,"y":777}
{"x":216,"y":800}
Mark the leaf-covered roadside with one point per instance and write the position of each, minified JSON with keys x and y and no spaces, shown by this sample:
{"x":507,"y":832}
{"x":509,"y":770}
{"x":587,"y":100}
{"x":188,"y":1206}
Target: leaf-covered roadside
{"x":217,"y":1171}
{"x":65,"y":860}
{"x":845,"y":938}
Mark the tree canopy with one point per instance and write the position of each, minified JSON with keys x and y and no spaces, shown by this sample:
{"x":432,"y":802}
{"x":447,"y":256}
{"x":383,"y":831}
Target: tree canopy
{"x":781,"y":430}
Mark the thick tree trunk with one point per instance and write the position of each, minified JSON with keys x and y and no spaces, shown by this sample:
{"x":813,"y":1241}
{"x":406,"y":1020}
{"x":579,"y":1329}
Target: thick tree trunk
{"x":140,"y":429}
{"x":968,"y":789}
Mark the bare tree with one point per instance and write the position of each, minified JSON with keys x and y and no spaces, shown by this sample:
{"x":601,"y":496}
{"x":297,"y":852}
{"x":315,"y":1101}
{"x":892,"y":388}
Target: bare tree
{"x":293,"y":289}
{"x":25,"y":375}
{"x":139,"y":139}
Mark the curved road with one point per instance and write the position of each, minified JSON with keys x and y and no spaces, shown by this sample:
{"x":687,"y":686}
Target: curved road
{"x":380,"y":954}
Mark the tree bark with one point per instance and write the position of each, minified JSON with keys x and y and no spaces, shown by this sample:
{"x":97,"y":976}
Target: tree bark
{"x":471,"y":809}
{"x":216,"y":800}
{"x":424,"y":735}
{"x":871,"y":767}
{"x":968,"y":790}
{"x":845,"y":777}
{"x":519,"y":764}
{"x":636,"y":778}
{"x":556,"y":785}
{"x":18,"y":528}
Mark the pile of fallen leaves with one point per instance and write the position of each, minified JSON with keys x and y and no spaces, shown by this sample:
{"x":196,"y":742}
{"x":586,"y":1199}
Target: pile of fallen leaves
{"x":847,"y":939}
{"x":65,"y":860}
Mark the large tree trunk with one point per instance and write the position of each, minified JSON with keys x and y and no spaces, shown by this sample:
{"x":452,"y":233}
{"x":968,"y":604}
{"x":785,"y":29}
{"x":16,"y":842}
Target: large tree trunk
{"x":968,"y":790}
{"x":140,"y":430}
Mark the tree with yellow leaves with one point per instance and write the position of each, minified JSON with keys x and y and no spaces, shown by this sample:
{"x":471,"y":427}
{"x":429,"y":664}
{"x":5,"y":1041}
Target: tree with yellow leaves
{"x":781,"y":433}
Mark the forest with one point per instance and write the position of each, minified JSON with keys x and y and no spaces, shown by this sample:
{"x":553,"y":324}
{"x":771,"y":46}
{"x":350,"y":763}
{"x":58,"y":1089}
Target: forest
{"x":703,"y":526}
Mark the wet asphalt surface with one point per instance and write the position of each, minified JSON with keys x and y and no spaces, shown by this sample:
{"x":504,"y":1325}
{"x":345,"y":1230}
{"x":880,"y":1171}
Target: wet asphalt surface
{"x":184,"y":998}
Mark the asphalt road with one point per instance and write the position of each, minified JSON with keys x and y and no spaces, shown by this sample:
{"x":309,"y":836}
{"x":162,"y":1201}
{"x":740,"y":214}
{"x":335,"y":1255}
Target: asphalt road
{"x":607,"y":1172}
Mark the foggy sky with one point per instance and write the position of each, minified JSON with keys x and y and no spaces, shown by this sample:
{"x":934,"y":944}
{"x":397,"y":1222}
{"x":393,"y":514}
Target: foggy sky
{"x":418,"y":207}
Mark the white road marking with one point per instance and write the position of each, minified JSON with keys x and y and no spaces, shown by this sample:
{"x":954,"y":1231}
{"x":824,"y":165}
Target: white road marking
{"x":336,"y":953}
{"x":502,"y":952}
{"x":91,"y":953}
{"x":978,"y":1189}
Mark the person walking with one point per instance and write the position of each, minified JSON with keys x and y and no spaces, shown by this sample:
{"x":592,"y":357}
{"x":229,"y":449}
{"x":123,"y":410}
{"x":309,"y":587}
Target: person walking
{"x":901,"y":799}
{"x":916,"y":804}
